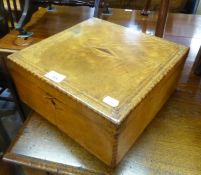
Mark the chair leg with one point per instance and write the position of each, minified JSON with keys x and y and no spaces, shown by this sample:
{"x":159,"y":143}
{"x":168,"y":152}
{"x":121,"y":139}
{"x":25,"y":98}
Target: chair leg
{"x":106,"y":10}
{"x":5,"y":27}
{"x":4,"y":135}
{"x":198,"y":69}
{"x":162,"y":18}
{"x":145,"y":11}
{"x":28,"y":9}
{"x":197,"y":63}
{"x":96,"y":6}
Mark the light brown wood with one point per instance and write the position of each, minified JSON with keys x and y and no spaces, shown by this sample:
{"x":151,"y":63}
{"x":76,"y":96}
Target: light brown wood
{"x":127,"y":68}
{"x":32,"y":171}
{"x":169,"y":145}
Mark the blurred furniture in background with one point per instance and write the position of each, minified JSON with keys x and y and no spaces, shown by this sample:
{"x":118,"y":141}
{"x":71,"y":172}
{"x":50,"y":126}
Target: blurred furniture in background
{"x":16,"y":13}
{"x":7,"y":111}
{"x":10,"y":12}
{"x":190,"y":6}
{"x":3,"y":27}
{"x":9,"y":15}
{"x":6,"y":84}
{"x":198,"y":68}
{"x":30,"y":6}
{"x":176,"y":6}
{"x":11,"y":114}
{"x":197,"y":64}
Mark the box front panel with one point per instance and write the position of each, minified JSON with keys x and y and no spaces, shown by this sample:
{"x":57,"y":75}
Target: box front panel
{"x":93,"y":133}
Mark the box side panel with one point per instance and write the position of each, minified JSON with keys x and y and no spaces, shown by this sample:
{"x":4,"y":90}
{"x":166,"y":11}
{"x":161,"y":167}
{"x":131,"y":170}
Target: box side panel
{"x":141,"y":116}
{"x":90,"y":130}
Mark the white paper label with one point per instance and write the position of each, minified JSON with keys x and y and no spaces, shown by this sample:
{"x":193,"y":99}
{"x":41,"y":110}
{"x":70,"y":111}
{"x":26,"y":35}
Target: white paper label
{"x":111,"y":101}
{"x":55,"y":76}
{"x":128,"y":10}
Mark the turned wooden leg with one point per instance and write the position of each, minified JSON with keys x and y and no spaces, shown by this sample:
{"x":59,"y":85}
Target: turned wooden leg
{"x":162,"y":17}
{"x":145,"y":11}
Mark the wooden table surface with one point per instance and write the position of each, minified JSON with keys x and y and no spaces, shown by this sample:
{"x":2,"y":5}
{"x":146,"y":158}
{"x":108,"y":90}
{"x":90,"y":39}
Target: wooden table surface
{"x":170,"y":145}
{"x":65,"y":17}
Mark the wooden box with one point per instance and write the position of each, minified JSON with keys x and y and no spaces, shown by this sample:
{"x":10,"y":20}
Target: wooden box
{"x":98,"y":82}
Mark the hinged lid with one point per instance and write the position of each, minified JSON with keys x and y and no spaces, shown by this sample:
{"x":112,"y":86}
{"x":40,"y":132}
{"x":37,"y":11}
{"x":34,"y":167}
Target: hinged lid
{"x":107,"y":67}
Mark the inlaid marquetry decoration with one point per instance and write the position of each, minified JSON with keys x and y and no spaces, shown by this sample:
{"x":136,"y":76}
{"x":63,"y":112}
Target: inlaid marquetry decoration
{"x":98,"y":82}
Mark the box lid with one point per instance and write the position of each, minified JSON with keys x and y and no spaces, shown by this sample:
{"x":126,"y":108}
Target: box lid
{"x":107,"y":67}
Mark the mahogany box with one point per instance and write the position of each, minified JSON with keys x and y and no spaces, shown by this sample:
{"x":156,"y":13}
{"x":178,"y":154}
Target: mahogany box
{"x":98,"y":82}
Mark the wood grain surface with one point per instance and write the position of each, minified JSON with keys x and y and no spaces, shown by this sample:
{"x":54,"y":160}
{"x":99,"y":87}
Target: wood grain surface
{"x":65,"y":17}
{"x":126,"y":67}
{"x":115,"y":63}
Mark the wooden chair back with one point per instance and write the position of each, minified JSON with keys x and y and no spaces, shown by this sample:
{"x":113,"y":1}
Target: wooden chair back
{"x":10,"y":12}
